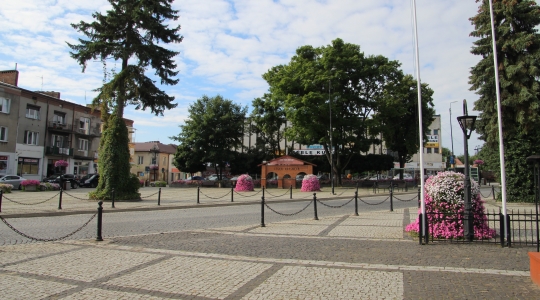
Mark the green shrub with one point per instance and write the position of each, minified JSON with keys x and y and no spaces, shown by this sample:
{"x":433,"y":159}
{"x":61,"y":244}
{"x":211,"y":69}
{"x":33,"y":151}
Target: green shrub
{"x":160,"y":184}
{"x":6,"y":188}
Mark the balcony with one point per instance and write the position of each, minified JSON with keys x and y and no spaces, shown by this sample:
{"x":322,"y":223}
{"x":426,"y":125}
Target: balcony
{"x":52,"y":125}
{"x":91,"y":132}
{"x":59,"y":151}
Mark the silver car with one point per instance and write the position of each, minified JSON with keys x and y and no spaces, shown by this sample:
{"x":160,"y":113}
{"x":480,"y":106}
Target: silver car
{"x":14,"y":180}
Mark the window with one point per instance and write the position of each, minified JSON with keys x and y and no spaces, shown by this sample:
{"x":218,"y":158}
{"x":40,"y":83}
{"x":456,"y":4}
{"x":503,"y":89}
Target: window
{"x":141,"y":160}
{"x":28,"y":166}
{"x":428,"y":150}
{"x":4,"y":105}
{"x":32,"y":112}
{"x":435,"y":131}
{"x":436,"y":150}
{"x":84,"y":125}
{"x":31,"y":137}
{"x":164,"y":159}
{"x":58,"y":140}
{"x":83,"y":145}
{"x":3,"y":164}
{"x":3,"y":134}
{"x":59,"y":118}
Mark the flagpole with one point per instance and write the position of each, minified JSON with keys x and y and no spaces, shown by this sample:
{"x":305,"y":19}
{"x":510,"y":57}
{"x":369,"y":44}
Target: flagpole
{"x":420,"y":128}
{"x":499,"y":115}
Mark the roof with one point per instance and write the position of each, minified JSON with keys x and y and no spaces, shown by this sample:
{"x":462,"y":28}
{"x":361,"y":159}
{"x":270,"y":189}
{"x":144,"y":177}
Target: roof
{"x":163,"y":148}
{"x":286,"y":160}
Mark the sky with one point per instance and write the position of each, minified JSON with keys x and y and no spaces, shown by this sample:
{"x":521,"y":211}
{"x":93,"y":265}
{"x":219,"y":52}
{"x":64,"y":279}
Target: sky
{"x":229,"y":44}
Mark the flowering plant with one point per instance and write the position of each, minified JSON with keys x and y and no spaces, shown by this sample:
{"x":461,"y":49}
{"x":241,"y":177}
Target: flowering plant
{"x":46,"y":186}
{"x":154,"y":167}
{"x":244,"y":183}
{"x":61,"y":163}
{"x":444,"y":194}
{"x":30,"y":182}
{"x":5,"y":187}
{"x":478,"y":162}
{"x":310,"y":183}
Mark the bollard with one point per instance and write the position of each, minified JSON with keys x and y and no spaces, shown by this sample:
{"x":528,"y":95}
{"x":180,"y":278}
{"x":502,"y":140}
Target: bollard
{"x":232,"y":194}
{"x":1,"y":192}
{"x":419,"y":198}
{"x":263,"y":191}
{"x":501,"y":222}
{"x":99,"y":221}
{"x":420,"y":227}
{"x":262,"y":212}
{"x":493,"y":191}
{"x":198,"y":192}
{"x":60,"y":199}
{"x":112,"y":198}
{"x":315,"y":206}
{"x":159,"y":197}
{"x":356,"y":203}
{"x":290,"y":192}
{"x":391,"y":198}
{"x":426,"y":225}
{"x":508,"y":233}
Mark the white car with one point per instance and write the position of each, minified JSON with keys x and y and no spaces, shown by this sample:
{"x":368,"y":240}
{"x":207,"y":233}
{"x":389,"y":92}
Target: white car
{"x":406,"y":176}
{"x":14,"y":180}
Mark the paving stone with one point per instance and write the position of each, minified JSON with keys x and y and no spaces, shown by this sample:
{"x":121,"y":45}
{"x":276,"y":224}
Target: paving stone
{"x":17,"y":287}
{"x":15,"y":253}
{"x":103,"y":294}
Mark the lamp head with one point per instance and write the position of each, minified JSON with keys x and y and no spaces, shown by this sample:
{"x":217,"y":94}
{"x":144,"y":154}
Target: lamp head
{"x":467,"y":124}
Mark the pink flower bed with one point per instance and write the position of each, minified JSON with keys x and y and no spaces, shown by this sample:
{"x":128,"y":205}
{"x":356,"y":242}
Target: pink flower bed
{"x":61,"y":163}
{"x":244,"y":184}
{"x":310,"y":183}
{"x":30,"y":182}
{"x":444,"y":197}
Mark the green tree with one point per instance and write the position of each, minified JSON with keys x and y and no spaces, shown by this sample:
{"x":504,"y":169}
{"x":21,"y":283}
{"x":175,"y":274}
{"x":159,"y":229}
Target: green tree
{"x":129,"y":33}
{"x":269,"y":118}
{"x":518,"y":55}
{"x":397,"y":116}
{"x":188,"y":160}
{"x":212,"y":132}
{"x":356,"y":83}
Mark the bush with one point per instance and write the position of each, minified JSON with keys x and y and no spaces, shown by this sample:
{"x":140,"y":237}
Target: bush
{"x":6,"y":188}
{"x":310,"y":183}
{"x":444,"y":196}
{"x":160,"y":183}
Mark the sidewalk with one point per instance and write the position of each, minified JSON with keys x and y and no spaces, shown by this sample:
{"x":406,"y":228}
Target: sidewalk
{"x":343,"y":257}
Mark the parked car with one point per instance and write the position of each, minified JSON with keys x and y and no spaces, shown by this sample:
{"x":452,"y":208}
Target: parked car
{"x":14,"y":180}
{"x":73,"y":179}
{"x":89,"y":180}
{"x":322,"y":177}
{"x":195,"y":178}
{"x":406,"y":176}
{"x":216,"y":177}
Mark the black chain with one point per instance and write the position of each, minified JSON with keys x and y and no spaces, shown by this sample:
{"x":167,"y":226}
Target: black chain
{"x":46,"y":240}
{"x":274,"y":196}
{"x":214,"y":197}
{"x":288,"y":215}
{"x":483,"y":194}
{"x":150,"y":195}
{"x":336,"y":206}
{"x":247,"y":195}
{"x":79,"y":198}
{"x":405,"y":200}
{"x":374,"y":203}
{"x":11,"y":200}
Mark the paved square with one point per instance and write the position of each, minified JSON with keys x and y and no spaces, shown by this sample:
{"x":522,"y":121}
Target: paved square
{"x":15,"y":253}
{"x":16,"y":288}
{"x":293,"y":229}
{"x":372,"y":222}
{"x":99,"y":294}
{"x":368,"y":232}
{"x":86,"y":265}
{"x":292,"y":282}
{"x":203,"y":277}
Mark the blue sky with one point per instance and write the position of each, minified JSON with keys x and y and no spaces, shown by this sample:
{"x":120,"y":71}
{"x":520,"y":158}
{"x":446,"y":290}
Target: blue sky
{"x":228,"y":45}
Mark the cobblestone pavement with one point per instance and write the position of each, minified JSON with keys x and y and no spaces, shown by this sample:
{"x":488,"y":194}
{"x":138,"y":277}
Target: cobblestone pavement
{"x":336,"y":257}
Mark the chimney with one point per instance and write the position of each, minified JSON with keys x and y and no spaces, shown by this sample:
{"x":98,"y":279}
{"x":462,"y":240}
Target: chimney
{"x":10,"y":77}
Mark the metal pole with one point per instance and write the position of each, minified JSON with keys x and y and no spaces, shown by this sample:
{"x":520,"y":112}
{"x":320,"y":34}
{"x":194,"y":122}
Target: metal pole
{"x":1,"y":192}
{"x":290,"y":192}
{"x":391,"y":199}
{"x":60,"y":199}
{"x":499,"y":114}
{"x":468,"y":218}
{"x":232,"y":194}
{"x":99,"y":221}
{"x":262,"y":212}
{"x":356,"y":203}
{"x":315,"y":206}
{"x":420,"y":128}
{"x":112,"y":198}
{"x":159,"y":197}
{"x":420,"y":227}
{"x":331,"y":144}
{"x":198,"y":193}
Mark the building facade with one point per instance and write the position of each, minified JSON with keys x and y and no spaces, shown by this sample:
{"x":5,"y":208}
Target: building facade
{"x":37,"y":129}
{"x":152,"y":161}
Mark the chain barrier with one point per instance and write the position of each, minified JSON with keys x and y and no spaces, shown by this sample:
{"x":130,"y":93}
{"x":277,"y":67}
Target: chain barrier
{"x":483,"y":194}
{"x":214,"y":197}
{"x":17,"y":202}
{"x":373,"y":203}
{"x":338,"y":194}
{"x":79,"y":198}
{"x":405,"y":200}
{"x":150,"y":195}
{"x":288,"y":215}
{"x":239,"y":194}
{"x":336,"y":206}
{"x":274,"y":196}
{"x":47,"y":240}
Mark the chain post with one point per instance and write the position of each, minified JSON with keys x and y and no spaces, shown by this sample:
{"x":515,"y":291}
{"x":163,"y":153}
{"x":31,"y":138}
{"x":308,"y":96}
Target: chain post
{"x":420,"y":228}
{"x":262,"y":212}
{"x":198,"y":194}
{"x":426,"y":225}
{"x":391,"y":198}
{"x":508,"y":232}
{"x":263,"y":191}
{"x":232,"y":194}
{"x":315,"y":206}
{"x":60,"y":198}
{"x":419,"y":198}
{"x":493,"y":191}
{"x":501,"y":227}
{"x":290,"y":191}
{"x":159,"y":197}
{"x":112,"y":198}
{"x":1,"y":192}
{"x":99,"y":221}
{"x":356,"y":203}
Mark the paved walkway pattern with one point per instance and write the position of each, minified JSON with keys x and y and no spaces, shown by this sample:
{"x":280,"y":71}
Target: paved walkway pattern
{"x":344,"y":257}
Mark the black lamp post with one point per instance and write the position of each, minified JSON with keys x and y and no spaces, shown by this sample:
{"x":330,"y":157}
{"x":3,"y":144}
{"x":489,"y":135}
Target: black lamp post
{"x":154,"y":150}
{"x":467,"y":125}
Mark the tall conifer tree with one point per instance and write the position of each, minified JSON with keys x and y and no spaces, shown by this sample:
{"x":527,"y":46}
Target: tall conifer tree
{"x":518,"y":55}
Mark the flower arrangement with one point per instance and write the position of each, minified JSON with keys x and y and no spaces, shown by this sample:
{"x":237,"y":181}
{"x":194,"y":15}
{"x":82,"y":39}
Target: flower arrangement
{"x":30,"y":182}
{"x":310,"y":183}
{"x":46,"y":186}
{"x":61,"y":163}
{"x":444,"y":196}
{"x":244,"y":183}
{"x":5,"y":187}
{"x":154,"y":167}
{"x":478,"y":162}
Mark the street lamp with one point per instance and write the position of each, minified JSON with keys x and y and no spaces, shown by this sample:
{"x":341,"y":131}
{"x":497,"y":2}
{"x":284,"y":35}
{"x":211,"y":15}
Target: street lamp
{"x":155,"y":151}
{"x":467,"y":126}
{"x":331,"y":144}
{"x":452,"y":162}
